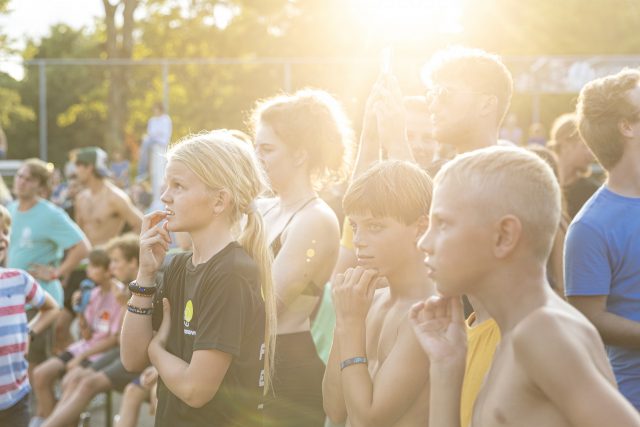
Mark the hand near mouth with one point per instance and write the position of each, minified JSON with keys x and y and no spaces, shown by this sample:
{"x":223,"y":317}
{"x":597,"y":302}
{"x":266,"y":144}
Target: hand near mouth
{"x":353,"y":293}
{"x":154,"y":244}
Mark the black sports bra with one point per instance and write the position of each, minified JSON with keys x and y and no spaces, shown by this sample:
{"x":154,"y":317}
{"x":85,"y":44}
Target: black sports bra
{"x":276,"y":244}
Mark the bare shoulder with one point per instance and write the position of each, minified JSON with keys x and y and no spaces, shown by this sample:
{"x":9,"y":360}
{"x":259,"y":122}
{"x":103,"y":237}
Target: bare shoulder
{"x":83,"y":196}
{"x":556,"y":327}
{"x":318,"y":215}
{"x":117,"y":193}
{"x":549,"y":322}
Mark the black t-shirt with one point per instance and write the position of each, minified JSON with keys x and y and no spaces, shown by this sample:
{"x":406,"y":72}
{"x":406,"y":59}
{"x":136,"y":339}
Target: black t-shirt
{"x":215,"y":305}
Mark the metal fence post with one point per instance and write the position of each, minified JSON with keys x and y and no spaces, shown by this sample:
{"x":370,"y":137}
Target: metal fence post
{"x":287,"y":76}
{"x":165,"y":85}
{"x":42,"y":68}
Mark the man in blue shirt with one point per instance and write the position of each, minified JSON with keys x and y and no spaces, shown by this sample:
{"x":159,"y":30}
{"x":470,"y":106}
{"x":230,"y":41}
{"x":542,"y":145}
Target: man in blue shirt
{"x":602,"y":251}
{"x":40,"y":235}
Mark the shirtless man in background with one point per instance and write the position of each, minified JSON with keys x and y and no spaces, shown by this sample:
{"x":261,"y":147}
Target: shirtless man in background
{"x":102,"y":209}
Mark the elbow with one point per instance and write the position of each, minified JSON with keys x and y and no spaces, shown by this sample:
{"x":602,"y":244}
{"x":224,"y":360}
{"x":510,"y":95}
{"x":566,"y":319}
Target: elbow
{"x":131,"y":361}
{"x":84,"y":247}
{"x":197,"y":398}
{"x":336,"y":417}
{"x":365,"y":421}
{"x":335,"y":413}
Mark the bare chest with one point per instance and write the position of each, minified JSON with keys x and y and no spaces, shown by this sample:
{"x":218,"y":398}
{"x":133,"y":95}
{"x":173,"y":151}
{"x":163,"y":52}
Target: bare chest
{"x":507,"y":396}
{"x":97,"y":210}
{"x":383,"y":323}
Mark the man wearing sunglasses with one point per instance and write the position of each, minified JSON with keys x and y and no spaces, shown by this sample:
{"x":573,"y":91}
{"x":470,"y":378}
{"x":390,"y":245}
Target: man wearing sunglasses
{"x":469,"y":91}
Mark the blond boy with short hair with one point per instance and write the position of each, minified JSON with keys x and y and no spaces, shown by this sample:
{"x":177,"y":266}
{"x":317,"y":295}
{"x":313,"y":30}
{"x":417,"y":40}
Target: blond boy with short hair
{"x":494,"y":215}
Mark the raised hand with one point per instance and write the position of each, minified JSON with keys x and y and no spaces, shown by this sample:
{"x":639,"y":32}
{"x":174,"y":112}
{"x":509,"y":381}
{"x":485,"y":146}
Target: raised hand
{"x":353,"y":292}
{"x":154,"y":244}
{"x":149,"y":376}
{"x":390,"y":114}
{"x":439,"y":326}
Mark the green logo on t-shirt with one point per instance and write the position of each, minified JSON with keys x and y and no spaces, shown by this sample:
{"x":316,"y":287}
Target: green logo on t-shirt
{"x":188,"y":311}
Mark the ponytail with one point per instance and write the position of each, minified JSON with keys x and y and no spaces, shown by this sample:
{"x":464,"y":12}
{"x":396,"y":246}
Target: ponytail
{"x":253,"y":239}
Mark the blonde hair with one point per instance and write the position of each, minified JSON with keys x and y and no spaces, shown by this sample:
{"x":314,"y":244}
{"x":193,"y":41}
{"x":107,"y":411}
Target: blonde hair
{"x":510,"y":180}
{"x":5,"y":217}
{"x":602,"y":104}
{"x":391,"y":189}
{"x":223,"y":161}
{"x":313,"y":120}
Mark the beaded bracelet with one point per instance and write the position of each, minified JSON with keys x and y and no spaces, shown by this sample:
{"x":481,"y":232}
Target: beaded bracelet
{"x":353,"y":361}
{"x":141,"y":291}
{"x":139,"y":310}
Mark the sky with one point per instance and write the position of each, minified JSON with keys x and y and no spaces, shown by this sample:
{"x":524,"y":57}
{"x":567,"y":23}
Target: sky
{"x":33,"y":18}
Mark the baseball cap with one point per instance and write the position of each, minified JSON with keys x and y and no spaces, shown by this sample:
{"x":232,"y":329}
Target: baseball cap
{"x":94,"y":156}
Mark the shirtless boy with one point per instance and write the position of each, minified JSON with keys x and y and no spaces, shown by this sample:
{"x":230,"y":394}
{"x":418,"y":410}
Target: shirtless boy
{"x":493,"y":219}
{"x":102,"y":209}
{"x":377,"y":375}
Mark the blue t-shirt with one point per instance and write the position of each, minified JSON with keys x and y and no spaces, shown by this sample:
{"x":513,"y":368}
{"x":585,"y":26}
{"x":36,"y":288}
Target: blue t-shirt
{"x":40,"y":236}
{"x":602,"y":253}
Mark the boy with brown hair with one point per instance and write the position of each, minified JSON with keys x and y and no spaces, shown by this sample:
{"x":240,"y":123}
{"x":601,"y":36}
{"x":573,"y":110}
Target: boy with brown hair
{"x":494,"y":216}
{"x":377,"y":374}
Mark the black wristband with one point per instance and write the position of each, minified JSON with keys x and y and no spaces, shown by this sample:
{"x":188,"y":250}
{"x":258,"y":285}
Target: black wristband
{"x":141,"y":291}
{"x":139,"y":310}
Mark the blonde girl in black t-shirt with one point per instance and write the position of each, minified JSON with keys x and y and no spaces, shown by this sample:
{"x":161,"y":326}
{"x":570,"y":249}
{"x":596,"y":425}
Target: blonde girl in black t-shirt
{"x":213,"y":348}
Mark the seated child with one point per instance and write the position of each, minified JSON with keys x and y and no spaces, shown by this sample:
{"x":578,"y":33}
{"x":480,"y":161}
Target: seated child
{"x":99,"y":327}
{"x":107,"y":372}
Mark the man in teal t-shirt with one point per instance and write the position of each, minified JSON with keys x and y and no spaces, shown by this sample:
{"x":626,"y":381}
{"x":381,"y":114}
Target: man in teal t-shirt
{"x":41,"y":233}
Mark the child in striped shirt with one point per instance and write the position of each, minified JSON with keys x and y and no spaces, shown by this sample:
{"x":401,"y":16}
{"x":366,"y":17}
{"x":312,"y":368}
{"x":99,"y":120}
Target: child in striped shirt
{"x":18,"y":288}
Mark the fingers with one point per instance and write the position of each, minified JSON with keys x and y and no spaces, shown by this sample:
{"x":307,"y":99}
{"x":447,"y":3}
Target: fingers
{"x":158,"y":235}
{"x":151,"y":220}
{"x":442,"y":308}
{"x":456,"y":310}
{"x":156,"y":240}
{"x":416,"y":311}
{"x":160,"y":229}
{"x":354,"y":277}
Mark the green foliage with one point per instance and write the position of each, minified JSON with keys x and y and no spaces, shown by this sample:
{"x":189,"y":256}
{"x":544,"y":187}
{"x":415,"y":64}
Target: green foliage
{"x":73,"y":117}
{"x":205,"y":96}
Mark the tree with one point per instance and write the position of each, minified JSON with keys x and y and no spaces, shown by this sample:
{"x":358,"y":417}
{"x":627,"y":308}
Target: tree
{"x":119,"y":44}
{"x":75,"y":96}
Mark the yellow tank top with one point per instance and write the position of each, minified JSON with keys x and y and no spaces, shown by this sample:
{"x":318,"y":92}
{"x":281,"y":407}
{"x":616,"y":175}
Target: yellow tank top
{"x":482,"y":340}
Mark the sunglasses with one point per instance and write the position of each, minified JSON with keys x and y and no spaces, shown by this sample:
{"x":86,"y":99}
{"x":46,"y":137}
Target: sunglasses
{"x":444,"y":94}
